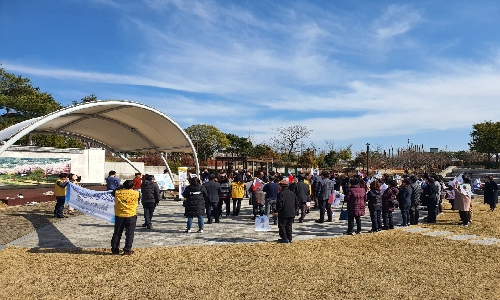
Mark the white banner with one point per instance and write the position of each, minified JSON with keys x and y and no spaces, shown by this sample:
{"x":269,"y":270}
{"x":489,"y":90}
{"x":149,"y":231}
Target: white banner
{"x":164,"y":181}
{"x":262,"y":223}
{"x":183,"y":180}
{"x":100,"y":205}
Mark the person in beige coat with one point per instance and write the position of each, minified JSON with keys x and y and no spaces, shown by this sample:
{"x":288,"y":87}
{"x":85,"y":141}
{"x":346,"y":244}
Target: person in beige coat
{"x":463,"y":200}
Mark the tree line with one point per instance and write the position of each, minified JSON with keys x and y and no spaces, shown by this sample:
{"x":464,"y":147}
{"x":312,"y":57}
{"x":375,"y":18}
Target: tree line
{"x":290,"y":146}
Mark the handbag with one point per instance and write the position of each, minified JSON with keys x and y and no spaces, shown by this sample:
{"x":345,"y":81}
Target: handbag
{"x":344,"y":215}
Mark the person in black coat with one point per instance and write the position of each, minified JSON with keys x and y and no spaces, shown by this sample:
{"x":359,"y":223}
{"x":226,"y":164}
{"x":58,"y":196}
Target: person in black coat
{"x":374,"y":197}
{"x":285,"y":207}
{"x":416,"y":191}
{"x":302,"y":192}
{"x":431,"y":195}
{"x":212,"y":200}
{"x":491,"y":192}
{"x":194,"y":203}
{"x":150,"y":197}
{"x":404,"y":200}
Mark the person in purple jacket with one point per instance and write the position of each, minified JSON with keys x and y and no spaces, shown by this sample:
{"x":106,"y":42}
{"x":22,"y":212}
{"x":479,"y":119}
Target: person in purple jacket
{"x":355,"y":198}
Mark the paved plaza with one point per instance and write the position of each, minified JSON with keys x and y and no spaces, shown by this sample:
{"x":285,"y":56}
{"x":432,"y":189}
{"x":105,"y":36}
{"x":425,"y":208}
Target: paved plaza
{"x":169,"y":224}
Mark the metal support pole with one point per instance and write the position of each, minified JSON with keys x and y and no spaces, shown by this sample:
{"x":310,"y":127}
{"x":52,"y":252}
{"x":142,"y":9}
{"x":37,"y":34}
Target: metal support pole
{"x":129,"y":162}
{"x":163,"y":157}
{"x":367,"y":157}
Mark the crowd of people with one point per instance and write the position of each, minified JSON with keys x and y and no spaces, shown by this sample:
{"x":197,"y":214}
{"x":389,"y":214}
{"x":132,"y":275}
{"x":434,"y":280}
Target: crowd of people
{"x":283,"y":198}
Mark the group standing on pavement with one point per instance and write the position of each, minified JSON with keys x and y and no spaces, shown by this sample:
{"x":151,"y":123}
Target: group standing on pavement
{"x":283,"y":198}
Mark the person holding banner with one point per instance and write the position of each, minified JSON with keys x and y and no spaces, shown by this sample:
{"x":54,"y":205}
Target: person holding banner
{"x":126,"y":203}
{"x":60,"y":192}
{"x":194,"y":203}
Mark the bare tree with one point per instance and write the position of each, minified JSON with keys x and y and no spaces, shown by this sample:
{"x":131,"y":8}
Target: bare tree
{"x":288,"y":139}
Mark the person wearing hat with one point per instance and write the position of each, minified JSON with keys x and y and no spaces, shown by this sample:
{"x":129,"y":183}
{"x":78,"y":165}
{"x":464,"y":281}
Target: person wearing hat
{"x":285,"y":207}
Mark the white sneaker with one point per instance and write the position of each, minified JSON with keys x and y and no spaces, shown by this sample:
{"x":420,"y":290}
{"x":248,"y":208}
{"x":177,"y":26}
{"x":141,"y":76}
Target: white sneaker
{"x":200,"y":230}
{"x":188,"y":231}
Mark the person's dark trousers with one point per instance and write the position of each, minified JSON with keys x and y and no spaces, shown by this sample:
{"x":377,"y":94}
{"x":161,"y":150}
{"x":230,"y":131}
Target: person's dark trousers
{"x":324,"y":205}
{"x":236,"y":206}
{"x":226,"y":201}
{"x":452,"y":202}
{"x":59,"y":208}
{"x":285,"y":228}
{"x":493,"y":205}
{"x":127,"y":223}
{"x":405,"y":215}
{"x":440,"y":207}
{"x":414,"y":215}
{"x":350,"y":224}
{"x":303,"y":211}
{"x":149,"y":209}
{"x":376,"y":218}
{"x":388,"y":220}
{"x":258,"y":210}
{"x":464,"y":216}
{"x":431,"y":213}
{"x":316,"y":202}
{"x":212,"y":209}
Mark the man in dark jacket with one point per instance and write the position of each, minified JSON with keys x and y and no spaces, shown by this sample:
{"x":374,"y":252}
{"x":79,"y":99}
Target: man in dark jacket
{"x":194,"y":203}
{"x":150,"y":197}
{"x":325,"y":191}
{"x":302,"y":192}
{"x":316,"y":187}
{"x":285,"y":207}
{"x":416,"y":192}
{"x":271,"y":189}
{"x":212,"y":199}
{"x":491,"y":192}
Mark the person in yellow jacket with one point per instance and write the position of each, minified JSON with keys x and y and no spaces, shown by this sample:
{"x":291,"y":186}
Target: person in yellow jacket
{"x":237,"y":193}
{"x":126,"y":202}
{"x":60,"y":192}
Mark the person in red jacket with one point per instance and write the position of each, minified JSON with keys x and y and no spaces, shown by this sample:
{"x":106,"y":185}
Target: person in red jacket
{"x":355,"y":198}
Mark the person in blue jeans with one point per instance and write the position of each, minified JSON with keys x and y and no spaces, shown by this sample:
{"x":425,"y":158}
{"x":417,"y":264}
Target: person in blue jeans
{"x":194,"y":203}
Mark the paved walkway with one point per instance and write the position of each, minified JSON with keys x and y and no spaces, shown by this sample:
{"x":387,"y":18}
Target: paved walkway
{"x":32,"y":227}
{"x":169,"y":225}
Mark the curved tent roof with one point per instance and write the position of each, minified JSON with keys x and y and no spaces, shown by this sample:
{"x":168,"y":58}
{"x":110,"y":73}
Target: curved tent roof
{"x":120,"y":126}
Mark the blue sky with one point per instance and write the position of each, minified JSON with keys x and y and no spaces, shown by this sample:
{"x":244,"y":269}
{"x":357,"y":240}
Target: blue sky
{"x":352,"y":71}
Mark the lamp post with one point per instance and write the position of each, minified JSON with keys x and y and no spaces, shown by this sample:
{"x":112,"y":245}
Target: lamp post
{"x":367,"y":156}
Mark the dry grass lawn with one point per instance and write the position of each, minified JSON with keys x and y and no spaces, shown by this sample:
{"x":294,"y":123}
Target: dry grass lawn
{"x":484,"y":223}
{"x":386,"y":265}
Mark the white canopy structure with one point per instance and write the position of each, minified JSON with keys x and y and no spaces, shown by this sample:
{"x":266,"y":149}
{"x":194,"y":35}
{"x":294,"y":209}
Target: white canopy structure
{"x":119,"y":126}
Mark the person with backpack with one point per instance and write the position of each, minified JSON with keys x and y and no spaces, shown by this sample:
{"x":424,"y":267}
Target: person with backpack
{"x":271,"y":189}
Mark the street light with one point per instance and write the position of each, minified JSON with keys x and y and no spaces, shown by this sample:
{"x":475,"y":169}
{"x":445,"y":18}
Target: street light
{"x":367,"y":156}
